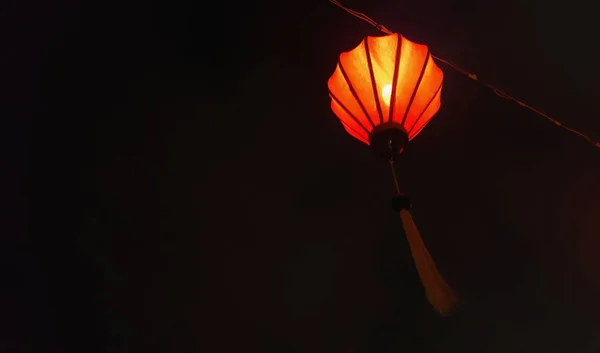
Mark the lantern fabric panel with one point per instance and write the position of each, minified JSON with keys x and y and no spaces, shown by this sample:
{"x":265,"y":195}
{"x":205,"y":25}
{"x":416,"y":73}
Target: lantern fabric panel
{"x":427,"y":98}
{"x":381,"y":53}
{"x":355,"y":133}
{"x":354,"y":66}
{"x":411,"y":64}
{"x":431,"y":109}
{"x":349,"y":120}
{"x":342,"y":94}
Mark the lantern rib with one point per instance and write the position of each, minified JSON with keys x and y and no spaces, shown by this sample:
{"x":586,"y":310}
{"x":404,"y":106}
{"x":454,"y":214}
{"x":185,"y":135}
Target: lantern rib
{"x":373,"y":83}
{"x":425,"y":109}
{"x":348,"y":112}
{"x":353,"y":91}
{"x":363,"y":138}
{"x":414,"y":93}
{"x":395,"y":79}
{"x":422,"y":127}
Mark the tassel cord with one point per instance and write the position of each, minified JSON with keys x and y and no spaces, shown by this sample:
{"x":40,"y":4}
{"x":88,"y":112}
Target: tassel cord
{"x":395,"y":176}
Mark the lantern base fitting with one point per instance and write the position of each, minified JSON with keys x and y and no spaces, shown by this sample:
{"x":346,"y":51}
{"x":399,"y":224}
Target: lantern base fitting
{"x":401,"y":202}
{"x":388,"y":140}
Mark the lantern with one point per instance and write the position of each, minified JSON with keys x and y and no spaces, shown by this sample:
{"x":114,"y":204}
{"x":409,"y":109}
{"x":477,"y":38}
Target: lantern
{"x":385,"y":91}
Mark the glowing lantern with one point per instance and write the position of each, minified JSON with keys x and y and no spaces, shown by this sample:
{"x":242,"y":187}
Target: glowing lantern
{"x":386,"y":83}
{"x":385,"y":91}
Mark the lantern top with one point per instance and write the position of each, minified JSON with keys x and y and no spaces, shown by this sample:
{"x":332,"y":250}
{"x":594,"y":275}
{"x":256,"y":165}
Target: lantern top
{"x":385,"y":91}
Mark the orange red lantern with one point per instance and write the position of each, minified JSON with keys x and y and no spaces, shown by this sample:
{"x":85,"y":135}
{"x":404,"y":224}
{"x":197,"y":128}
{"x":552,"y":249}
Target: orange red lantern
{"x":386,"y":85}
{"x":385,"y":91}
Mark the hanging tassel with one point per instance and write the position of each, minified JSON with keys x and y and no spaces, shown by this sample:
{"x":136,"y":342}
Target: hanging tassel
{"x":438,"y":292}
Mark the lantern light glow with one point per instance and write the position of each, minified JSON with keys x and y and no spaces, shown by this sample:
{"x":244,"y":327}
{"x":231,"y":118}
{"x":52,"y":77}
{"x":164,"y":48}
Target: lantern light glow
{"x":386,"y":94}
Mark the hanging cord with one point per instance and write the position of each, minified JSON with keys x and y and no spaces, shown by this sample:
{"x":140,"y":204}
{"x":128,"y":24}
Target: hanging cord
{"x":474,"y":77}
{"x":395,"y":177}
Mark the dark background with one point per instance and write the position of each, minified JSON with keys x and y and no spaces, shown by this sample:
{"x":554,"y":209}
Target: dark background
{"x":174,"y":181}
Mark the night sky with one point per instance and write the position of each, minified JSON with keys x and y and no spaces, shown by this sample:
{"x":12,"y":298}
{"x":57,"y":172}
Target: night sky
{"x":175,"y":181}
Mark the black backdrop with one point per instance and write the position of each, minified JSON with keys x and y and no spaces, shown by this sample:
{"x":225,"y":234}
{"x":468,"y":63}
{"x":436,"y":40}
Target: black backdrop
{"x":176,"y":182}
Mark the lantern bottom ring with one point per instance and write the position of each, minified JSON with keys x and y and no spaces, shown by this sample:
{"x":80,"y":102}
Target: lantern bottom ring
{"x":388,"y":140}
